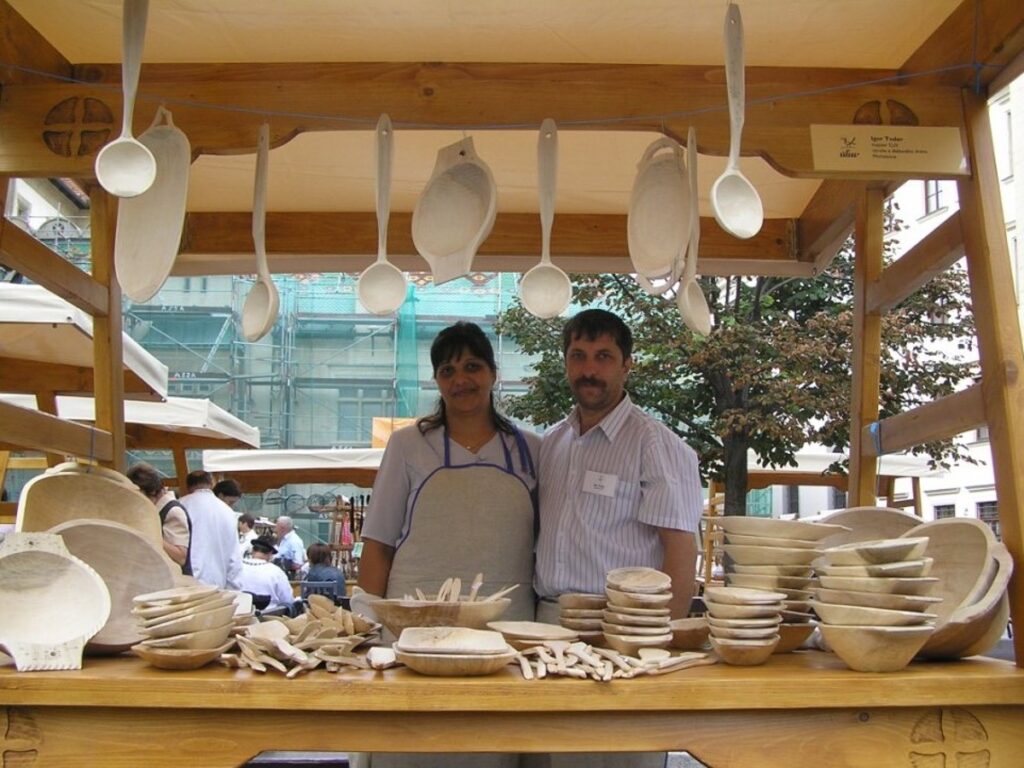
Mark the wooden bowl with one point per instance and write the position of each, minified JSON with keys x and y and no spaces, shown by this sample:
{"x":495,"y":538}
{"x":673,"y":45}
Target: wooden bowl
{"x":634,"y":620}
{"x":455,"y":665}
{"x":768,"y":541}
{"x":581,"y":600}
{"x":582,"y":613}
{"x":907,"y":569}
{"x":689,"y":634}
{"x":744,"y":653}
{"x":780,"y":529}
{"x":746,"y":633}
{"x":642,"y":580}
{"x":649,"y":612}
{"x":875,"y":648}
{"x":962,"y":549}
{"x":203,"y":639}
{"x":730,"y":611}
{"x":398,"y":614}
{"x":128,"y":564}
{"x":867,"y":524}
{"x":742,"y":596}
{"x":858,"y":615}
{"x":581,"y":625}
{"x":50,"y":602}
{"x":767,"y":582}
{"x":174,"y":596}
{"x":877,"y":551}
{"x":462,"y":641}
{"x":629,"y":629}
{"x":797,"y":571}
{"x":179,"y":658}
{"x":876,"y":599}
{"x":536,"y":631}
{"x":792,"y":636}
{"x":895,"y":585}
{"x":192,"y":623}
{"x":742,"y":623}
{"x":748,"y":555}
{"x":637,"y":599}
{"x":631,"y":644}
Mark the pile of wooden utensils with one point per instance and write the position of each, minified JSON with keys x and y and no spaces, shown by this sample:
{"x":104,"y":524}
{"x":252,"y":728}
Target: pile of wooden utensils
{"x":451,"y":591}
{"x":554,"y":657}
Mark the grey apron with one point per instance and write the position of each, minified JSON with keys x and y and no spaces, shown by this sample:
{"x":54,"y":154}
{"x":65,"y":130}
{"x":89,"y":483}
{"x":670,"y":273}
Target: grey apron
{"x":466,"y":519}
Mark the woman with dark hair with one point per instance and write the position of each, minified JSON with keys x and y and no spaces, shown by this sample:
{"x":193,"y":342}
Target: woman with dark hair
{"x":454,"y":495}
{"x":320,"y":568}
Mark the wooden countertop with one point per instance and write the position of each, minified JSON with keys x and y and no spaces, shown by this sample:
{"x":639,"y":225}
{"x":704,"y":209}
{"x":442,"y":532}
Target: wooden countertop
{"x":790,"y":681}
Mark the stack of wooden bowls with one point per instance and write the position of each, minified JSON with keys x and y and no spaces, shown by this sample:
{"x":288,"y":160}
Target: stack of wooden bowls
{"x":582,"y":613}
{"x":185,"y":627}
{"x":776,"y":555}
{"x":637,"y":614}
{"x":744,"y":623}
{"x":873,"y":601}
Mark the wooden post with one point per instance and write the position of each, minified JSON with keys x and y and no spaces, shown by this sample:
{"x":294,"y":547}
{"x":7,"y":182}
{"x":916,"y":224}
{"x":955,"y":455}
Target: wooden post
{"x":181,"y":469}
{"x":867,"y":344}
{"x":999,"y":340}
{"x":915,"y":483}
{"x":108,"y":353}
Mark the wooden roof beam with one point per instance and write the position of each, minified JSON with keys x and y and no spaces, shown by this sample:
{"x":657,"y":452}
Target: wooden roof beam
{"x":29,"y":52}
{"x":220,"y":107}
{"x":221,"y":244}
{"x":25,"y":428}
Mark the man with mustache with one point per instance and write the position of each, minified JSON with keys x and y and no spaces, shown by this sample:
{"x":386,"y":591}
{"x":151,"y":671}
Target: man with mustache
{"x":617,"y":488}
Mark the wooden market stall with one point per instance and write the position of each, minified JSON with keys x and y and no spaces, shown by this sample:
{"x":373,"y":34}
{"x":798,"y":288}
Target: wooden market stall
{"x":612,"y":81}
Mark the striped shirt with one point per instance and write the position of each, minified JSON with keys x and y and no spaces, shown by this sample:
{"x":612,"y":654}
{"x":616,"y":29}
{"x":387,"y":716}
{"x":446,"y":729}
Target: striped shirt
{"x":604,"y":494}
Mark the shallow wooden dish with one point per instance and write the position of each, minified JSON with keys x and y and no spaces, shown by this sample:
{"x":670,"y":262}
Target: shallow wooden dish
{"x":744,"y":653}
{"x":627,"y":629}
{"x":637,"y":599}
{"x":867,"y":524}
{"x":768,"y":582}
{"x":858,"y":615}
{"x":642,"y":580}
{"x":730,"y":611}
{"x":454,"y":665}
{"x":768,"y":541}
{"x":49,"y":500}
{"x":689,"y":634}
{"x":796,"y":617}
{"x":792,"y":636}
{"x":128,"y":564}
{"x":748,"y":555}
{"x":532,"y":630}
{"x":892,"y":585}
{"x":178,"y":658}
{"x":174,"y":596}
{"x":743,"y":623}
{"x":581,"y":625}
{"x":631,"y":644}
{"x":206,"y":638}
{"x":877,"y":551}
{"x":450,"y":640}
{"x":745,"y":633}
{"x":796,"y":571}
{"x":51,"y":602}
{"x":779,"y":529}
{"x":890,"y":601}
{"x":741,"y":595}
{"x":582,"y":613}
{"x":217,"y":601}
{"x":192,"y":623}
{"x":908,"y":569}
{"x":630,"y":610}
{"x":397,"y":615}
{"x":633,"y":620}
{"x":582,"y":600}
{"x":962,"y":549}
{"x":875,"y":648}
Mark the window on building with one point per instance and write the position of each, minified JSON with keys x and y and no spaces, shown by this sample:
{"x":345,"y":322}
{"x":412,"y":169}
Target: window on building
{"x":791,"y":499}
{"x":942,"y":511}
{"x":988,"y":512}
{"x":932,"y":196}
{"x":837,"y":498}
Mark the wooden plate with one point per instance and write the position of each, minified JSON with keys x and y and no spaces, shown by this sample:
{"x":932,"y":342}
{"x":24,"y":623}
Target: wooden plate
{"x":631,"y":644}
{"x":581,"y":600}
{"x":642,"y":580}
{"x":455,"y":665}
{"x":128,"y":564}
{"x":179,"y":658}
{"x":741,"y":596}
{"x":633,"y":620}
{"x":450,"y":640}
{"x":174,"y":595}
{"x":753,"y":581}
{"x":581,"y":625}
{"x":730,"y":611}
{"x":905,"y":569}
{"x":532,"y":630}
{"x":582,"y":613}
{"x":895,"y":585}
{"x":779,"y":529}
{"x":637,"y":599}
{"x":858,"y":615}
{"x":768,"y":541}
{"x":793,"y":571}
{"x":876,"y":552}
{"x":748,"y":555}
{"x":626,"y":630}
{"x":632,"y":611}
{"x":877,"y":599}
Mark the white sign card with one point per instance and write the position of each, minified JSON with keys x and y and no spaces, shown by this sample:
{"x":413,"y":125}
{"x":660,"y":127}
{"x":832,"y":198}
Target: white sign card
{"x":905,"y":149}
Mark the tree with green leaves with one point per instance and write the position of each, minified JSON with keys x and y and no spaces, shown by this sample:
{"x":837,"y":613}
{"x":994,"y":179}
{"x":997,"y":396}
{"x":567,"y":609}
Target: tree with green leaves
{"x":775,"y":372}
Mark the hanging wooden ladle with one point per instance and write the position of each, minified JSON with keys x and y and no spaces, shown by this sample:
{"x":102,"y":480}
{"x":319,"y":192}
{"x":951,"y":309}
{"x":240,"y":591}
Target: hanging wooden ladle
{"x":259,"y":313}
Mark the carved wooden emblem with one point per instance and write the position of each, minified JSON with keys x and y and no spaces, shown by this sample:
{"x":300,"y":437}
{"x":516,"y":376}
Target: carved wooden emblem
{"x":949,"y":738}
{"x":870,"y":113}
{"x":77,"y":126}
{"x":19,"y":738}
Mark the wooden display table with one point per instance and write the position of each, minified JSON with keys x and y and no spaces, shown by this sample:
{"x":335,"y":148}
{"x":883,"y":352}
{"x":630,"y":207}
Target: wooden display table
{"x":802,"y":709}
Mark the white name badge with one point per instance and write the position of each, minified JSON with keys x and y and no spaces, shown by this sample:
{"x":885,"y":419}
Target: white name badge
{"x":600,"y":483}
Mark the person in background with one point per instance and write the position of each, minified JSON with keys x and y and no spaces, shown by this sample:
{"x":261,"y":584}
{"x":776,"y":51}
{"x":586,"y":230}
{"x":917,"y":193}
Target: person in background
{"x":454,"y":496}
{"x":175,"y":525}
{"x":320,"y":568}
{"x":618,"y":489}
{"x":246,"y":533}
{"x":228,"y":491}
{"x":215,"y":557}
{"x":260,"y":576}
{"x":291,"y":552}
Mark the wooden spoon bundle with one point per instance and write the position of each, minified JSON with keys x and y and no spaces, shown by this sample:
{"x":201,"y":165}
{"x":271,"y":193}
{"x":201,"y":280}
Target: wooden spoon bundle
{"x":588,"y":662}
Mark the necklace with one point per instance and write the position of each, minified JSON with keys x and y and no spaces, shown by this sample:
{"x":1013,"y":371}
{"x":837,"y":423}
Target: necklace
{"x":475,"y":445}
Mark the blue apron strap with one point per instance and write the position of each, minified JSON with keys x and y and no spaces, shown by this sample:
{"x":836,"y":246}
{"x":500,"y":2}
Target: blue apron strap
{"x":447,"y":449}
{"x":508,"y":456}
{"x":525,"y":460}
